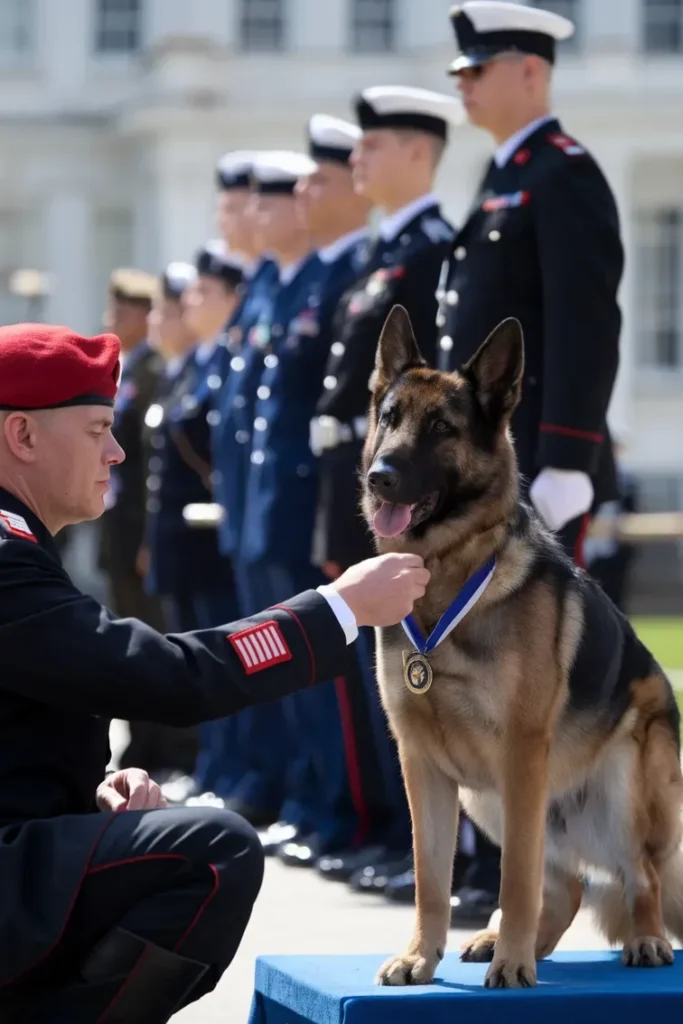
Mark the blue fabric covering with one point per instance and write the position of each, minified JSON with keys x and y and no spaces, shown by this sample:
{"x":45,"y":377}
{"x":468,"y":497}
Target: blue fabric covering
{"x":573,"y":987}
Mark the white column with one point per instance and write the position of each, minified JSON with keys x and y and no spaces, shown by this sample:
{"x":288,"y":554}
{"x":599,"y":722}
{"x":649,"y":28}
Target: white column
{"x":68,"y":258}
{"x":65,"y":32}
{"x":424,"y":23}
{"x":185,"y":197}
{"x":618,"y":169}
{"x":210,"y":19}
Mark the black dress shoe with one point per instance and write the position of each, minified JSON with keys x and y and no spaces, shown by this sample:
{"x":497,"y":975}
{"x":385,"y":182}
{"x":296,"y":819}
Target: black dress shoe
{"x":375,"y":877}
{"x":338,"y":867}
{"x":472,"y":907}
{"x":301,"y":852}
{"x":401,"y":888}
{"x":275,"y":835}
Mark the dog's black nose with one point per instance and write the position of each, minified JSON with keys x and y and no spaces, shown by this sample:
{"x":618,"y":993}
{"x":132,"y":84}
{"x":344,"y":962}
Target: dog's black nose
{"x":384,"y":480}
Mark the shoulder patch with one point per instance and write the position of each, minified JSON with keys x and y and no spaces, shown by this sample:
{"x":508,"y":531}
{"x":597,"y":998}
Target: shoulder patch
{"x":569,"y":146}
{"x":260,"y":646}
{"x":16,"y":525}
{"x":437,"y":230}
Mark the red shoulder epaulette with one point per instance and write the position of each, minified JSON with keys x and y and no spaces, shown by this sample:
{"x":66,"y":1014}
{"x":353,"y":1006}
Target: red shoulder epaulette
{"x":569,"y":146}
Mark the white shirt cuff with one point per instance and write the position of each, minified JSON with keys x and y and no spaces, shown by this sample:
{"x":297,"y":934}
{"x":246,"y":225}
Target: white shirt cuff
{"x":345,"y":617}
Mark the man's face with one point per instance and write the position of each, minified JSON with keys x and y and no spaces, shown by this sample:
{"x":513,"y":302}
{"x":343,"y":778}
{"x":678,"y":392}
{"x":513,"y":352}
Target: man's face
{"x":322,"y":195}
{"x":234,"y":220}
{"x":378,"y":157}
{"x":127,"y":320}
{"x":492,"y":91}
{"x":277,"y":218}
{"x":168,"y":332}
{"x":207,"y":305}
{"x":73,"y":452}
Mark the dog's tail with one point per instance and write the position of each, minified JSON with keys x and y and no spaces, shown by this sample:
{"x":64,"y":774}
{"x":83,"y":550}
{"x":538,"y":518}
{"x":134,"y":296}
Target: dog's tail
{"x":608,"y":903}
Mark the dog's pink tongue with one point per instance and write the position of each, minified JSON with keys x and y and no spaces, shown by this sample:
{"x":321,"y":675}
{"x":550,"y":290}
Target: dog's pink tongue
{"x":390,"y":520}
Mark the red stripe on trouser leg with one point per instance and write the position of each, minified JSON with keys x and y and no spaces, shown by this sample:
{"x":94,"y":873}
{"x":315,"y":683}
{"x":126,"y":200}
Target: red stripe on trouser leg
{"x":214,"y":890}
{"x":120,"y":992}
{"x":352,"y":761}
{"x":579,"y":555}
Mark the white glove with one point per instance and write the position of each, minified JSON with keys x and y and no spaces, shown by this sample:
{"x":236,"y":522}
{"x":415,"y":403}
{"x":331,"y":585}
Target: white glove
{"x":561,"y":495}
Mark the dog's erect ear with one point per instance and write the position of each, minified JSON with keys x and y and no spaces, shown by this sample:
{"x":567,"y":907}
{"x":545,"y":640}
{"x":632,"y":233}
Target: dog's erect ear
{"x":496,"y":370}
{"x":397,"y":350}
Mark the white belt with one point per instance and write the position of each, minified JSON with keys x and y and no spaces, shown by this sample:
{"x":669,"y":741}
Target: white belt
{"x":327,"y":432}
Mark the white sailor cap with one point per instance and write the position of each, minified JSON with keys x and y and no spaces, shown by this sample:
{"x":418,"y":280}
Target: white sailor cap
{"x":485,"y":28}
{"x":176,"y":278}
{"x":330,"y":138}
{"x":403,"y":106}
{"x":214,"y":260}
{"x":277,"y":171}
{"x":233,"y":170}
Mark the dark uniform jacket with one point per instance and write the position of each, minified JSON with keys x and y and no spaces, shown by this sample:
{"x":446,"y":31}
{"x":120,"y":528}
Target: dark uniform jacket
{"x":282,"y":487}
{"x":177,"y":440}
{"x":123,"y":524}
{"x":68,"y":666}
{"x":233,"y":414}
{"x":541,"y":243}
{"x":405,"y":270}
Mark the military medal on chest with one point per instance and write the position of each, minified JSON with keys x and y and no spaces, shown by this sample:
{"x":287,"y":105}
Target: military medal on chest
{"x":417,"y":671}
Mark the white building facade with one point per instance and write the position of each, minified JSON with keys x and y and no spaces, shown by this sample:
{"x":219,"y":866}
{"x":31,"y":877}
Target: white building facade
{"x":113,"y":113}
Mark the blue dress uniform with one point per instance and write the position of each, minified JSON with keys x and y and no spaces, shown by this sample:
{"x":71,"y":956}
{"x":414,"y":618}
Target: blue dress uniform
{"x":194,"y":582}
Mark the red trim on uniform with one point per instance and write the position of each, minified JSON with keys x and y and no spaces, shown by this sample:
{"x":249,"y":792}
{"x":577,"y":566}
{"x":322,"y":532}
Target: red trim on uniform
{"x":352,"y":761}
{"x":216,"y":886}
{"x":46,"y":954}
{"x":579,"y":556}
{"x":305,"y":636}
{"x":135,"y":860}
{"x":583,"y":435}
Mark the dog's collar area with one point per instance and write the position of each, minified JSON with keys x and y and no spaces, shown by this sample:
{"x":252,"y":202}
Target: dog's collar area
{"x":455,"y":613}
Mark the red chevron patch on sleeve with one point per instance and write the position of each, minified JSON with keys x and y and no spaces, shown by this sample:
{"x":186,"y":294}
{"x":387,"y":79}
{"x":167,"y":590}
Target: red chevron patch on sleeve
{"x":260,"y":647}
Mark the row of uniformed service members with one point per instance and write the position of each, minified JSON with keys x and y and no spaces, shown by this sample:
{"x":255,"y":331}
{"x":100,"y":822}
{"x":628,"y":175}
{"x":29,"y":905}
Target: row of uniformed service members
{"x":247,"y":385}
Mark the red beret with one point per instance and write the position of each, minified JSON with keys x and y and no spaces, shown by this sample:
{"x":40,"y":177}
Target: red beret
{"x":45,"y":367}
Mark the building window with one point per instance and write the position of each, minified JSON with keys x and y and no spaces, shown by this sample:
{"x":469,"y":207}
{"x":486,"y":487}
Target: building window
{"x":16,"y":29}
{"x":117,"y":26}
{"x":659,"y":276}
{"x":373,"y":25}
{"x":663,"y":26}
{"x":262,"y":24}
{"x":570,"y":9}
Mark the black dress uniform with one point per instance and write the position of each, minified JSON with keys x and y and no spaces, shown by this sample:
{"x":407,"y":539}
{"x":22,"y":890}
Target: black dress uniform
{"x":116,"y":916}
{"x":541,"y":242}
{"x":72,"y":877}
{"x":402,"y":268}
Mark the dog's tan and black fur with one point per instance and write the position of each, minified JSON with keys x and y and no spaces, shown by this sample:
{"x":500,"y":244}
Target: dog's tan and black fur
{"x":547,"y":717}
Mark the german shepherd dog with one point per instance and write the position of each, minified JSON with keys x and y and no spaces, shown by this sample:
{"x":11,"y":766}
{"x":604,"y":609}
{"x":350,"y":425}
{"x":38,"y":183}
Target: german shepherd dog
{"x":545,"y":711}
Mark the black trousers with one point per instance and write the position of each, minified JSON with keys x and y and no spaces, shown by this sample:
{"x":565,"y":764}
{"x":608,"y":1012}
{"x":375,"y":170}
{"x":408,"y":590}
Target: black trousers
{"x":182,"y":881}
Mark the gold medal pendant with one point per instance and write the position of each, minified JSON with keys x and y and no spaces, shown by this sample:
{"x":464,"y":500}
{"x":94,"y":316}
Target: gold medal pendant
{"x":417,"y":672}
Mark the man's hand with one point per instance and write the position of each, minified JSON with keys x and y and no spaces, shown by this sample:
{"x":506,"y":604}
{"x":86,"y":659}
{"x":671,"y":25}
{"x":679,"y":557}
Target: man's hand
{"x":381,"y":591}
{"x":131,"y":789}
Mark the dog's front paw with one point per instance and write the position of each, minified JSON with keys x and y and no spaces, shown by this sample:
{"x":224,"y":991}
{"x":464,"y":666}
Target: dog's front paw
{"x":511,"y":972}
{"x":480,"y":948}
{"x":409,"y":969}
{"x":647,"y":951}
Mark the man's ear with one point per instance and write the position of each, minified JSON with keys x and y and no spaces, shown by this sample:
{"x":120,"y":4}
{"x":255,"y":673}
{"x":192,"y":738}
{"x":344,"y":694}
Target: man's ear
{"x":496,"y":369}
{"x":19,"y":432}
{"x":397,"y":350}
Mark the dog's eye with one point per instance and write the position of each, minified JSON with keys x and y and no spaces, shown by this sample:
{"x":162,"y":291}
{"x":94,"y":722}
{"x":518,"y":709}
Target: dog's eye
{"x":441,"y":427}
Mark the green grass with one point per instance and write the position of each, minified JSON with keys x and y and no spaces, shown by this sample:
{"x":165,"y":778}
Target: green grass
{"x":664,"y":637}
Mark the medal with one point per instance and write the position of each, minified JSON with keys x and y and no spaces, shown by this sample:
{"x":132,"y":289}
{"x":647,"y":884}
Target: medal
{"x":417,"y":672}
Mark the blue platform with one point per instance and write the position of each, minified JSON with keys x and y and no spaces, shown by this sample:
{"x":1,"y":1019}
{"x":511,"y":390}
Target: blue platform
{"x":573,"y":988}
